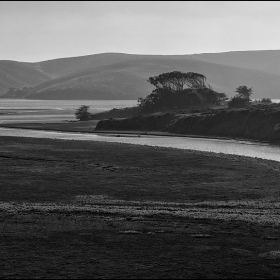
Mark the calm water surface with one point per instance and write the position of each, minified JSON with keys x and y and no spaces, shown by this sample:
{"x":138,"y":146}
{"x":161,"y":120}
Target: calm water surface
{"x":22,"y":110}
{"x":57,"y":110}
{"x":242,"y":148}
{"x":95,"y":105}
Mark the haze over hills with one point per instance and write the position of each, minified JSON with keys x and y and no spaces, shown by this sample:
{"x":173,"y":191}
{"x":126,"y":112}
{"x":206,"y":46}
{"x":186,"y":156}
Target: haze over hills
{"x":124,"y":76}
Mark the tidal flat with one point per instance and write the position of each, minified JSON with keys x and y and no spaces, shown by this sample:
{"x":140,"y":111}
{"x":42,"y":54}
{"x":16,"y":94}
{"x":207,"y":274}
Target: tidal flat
{"x":81,"y":209}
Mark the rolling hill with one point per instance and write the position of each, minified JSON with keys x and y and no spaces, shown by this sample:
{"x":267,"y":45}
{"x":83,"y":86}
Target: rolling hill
{"x":266,"y":60}
{"x":124,"y":76}
{"x":19,"y":74}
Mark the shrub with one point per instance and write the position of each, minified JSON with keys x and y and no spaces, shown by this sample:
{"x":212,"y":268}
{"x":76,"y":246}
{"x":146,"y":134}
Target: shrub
{"x":238,"y":102}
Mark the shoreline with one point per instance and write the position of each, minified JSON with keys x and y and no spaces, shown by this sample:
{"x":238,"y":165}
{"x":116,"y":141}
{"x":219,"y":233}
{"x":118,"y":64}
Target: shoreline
{"x":270,"y":164}
{"x":126,"y":132}
{"x":231,"y":159}
{"x":87,"y":127}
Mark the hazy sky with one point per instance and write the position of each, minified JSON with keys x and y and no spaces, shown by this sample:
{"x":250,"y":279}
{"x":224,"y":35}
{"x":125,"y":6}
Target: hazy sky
{"x":36,"y":31}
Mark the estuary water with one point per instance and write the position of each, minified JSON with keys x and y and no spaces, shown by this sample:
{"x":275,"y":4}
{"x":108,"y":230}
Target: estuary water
{"x":19,"y":110}
{"x":235,"y":147}
{"x":23,"y":110}
{"x":95,"y":105}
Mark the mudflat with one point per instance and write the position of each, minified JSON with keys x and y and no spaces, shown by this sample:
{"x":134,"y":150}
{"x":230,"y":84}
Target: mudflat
{"x":73,"y":209}
{"x":69,"y":126}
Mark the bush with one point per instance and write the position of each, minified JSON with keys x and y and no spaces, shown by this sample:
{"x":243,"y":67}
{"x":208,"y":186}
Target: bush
{"x":238,"y":102}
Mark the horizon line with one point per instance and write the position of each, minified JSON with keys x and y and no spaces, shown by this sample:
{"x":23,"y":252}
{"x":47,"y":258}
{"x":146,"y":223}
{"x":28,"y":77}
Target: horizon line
{"x":123,"y":53}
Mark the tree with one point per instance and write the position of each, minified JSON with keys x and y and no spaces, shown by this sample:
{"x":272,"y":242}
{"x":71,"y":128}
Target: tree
{"x":178,"y":90}
{"x":244,"y":92}
{"x":176,"y":80}
{"x":242,"y":98}
{"x":82,"y":113}
{"x":209,"y":97}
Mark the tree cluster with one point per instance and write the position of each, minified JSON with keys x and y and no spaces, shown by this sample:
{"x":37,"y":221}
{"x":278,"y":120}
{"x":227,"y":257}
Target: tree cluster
{"x":177,"y":90}
{"x":266,"y":100}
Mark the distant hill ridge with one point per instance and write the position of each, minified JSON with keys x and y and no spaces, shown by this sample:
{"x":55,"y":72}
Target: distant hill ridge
{"x":124,"y":76}
{"x":266,"y":60}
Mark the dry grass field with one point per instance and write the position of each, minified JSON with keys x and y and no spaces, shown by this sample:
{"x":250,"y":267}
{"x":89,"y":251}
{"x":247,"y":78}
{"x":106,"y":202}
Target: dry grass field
{"x":78,"y":209}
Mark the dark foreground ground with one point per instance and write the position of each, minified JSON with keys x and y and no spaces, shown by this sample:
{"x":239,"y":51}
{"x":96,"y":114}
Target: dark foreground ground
{"x":74,"y":209}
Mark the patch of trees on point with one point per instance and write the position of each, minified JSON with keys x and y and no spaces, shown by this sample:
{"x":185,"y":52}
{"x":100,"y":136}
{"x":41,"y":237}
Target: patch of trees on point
{"x":177,"y":90}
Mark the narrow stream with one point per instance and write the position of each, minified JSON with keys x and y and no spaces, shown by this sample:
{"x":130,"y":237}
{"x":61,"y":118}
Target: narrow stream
{"x":242,"y":148}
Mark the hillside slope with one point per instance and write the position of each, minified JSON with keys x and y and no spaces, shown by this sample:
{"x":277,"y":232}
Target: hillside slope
{"x":128,"y":79}
{"x":267,"y":60}
{"x":19,"y":74}
{"x":64,"y":66}
{"x":14,"y":74}
{"x":124,"y":76}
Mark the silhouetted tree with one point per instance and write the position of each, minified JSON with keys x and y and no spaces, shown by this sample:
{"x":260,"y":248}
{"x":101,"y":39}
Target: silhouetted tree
{"x":242,"y":98}
{"x":176,"y":80}
{"x":177,"y":90}
{"x":244,"y":92}
{"x":82,"y":113}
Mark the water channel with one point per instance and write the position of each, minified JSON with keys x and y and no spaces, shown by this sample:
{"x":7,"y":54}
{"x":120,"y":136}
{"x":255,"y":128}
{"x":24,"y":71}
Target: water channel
{"x":242,"y":148}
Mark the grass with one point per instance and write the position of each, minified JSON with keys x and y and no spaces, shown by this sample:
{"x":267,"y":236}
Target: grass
{"x":78,"y":209}
{"x":256,"y":212}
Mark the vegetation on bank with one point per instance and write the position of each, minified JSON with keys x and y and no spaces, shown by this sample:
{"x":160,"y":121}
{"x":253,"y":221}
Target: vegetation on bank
{"x":182,"y":91}
{"x":117,"y":113}
{"x":242,"y":99}
{"x":177,"y":90}
{"x":183,"y":103}
{"x":258,"y":122}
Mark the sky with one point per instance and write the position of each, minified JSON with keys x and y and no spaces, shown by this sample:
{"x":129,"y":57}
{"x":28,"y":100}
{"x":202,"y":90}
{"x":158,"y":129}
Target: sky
{"x":34,"y":31}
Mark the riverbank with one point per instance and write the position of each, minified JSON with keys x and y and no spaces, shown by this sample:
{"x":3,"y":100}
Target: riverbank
{"x":250,"y":149}
{"x":258,"y":122}
{"x":72,"y":209}
{"x":90,"y":127}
